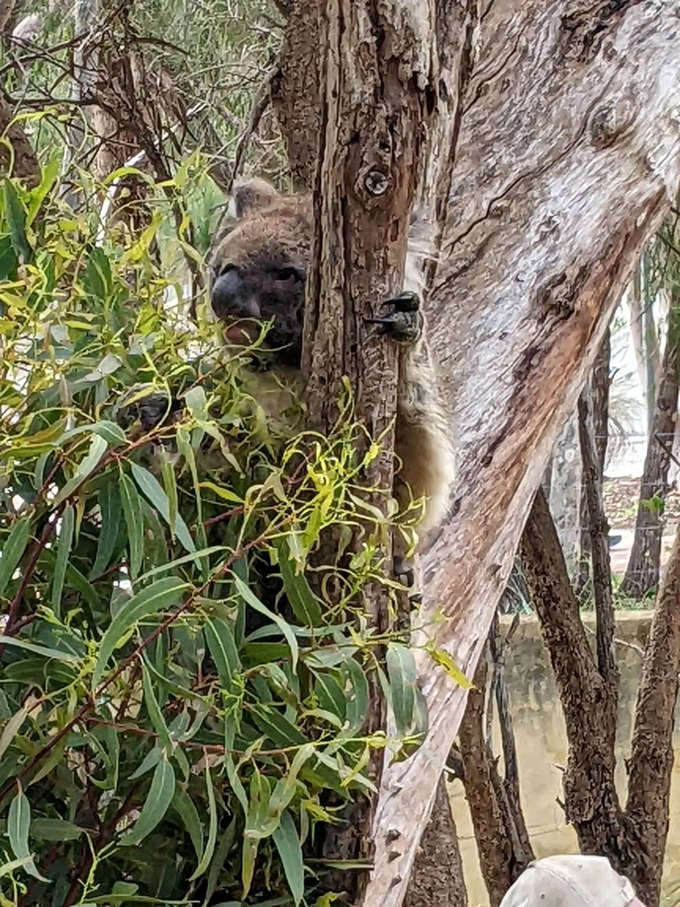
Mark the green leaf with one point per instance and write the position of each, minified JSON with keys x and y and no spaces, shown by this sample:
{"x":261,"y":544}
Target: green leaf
{"x":97,"y":450}
{"x":442,"y":658}
{"x":170,"y":487}
{"x":257,"y":605}
{"x":13,"y":550}
{"x":302,"y":600}
{"x":132,"y":509}
{"x":186,"y":810}
{"x":15,"y":214}
{"x":212,"y":827}
{"x":9,"y":263}
{"x":401,"y":669}
{"x":11,"y":728}
{"x":357,"y":698}
{"x":64,"y":546}
{"x":223,"y":649}
{"x":97,"y":275}
{"x":158,"y":597}
{"x":9,"y":867}
{"x":48,"y":175}
{"x":110,"y":510}
{"x":155,"y":805}
{"x":18,"y":824}
{"x":150,"y":487}
{"x":290,"y":851}
{"x":39,"y":650}
{"x":330,"y":694}
{"x":226,"y":842}
{"x":155,"y":714}
{"x":55,"y":830}
{"x":113,"y":434}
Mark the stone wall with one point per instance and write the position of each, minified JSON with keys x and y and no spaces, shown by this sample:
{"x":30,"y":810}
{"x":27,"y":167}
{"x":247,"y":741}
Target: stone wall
{"x":541,"y":747}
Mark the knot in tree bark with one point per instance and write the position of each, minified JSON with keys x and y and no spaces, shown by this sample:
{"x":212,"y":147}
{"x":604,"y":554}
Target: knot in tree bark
{"x":376,"y":183}
{"x":611,"y":121}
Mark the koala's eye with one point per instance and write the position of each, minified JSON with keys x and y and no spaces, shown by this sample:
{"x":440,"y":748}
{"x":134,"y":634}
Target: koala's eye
{"x":286,"y":274}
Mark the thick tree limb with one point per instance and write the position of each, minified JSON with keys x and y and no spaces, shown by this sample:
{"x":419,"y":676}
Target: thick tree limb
{"x":558,"y":177}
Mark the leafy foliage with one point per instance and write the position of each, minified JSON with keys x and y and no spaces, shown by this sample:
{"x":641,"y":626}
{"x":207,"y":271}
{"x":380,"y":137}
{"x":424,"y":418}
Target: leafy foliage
{"x":179,"y":694}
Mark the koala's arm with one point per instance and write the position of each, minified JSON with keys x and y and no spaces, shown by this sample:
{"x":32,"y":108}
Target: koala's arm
{"x":423,"y":431}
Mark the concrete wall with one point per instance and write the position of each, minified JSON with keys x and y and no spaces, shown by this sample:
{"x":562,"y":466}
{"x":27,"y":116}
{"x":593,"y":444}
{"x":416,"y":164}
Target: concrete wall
{"x":541,"y":747}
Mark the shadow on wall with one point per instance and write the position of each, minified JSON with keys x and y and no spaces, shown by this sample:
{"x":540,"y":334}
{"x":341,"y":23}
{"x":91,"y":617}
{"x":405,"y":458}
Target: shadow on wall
{"x":542,"y":749}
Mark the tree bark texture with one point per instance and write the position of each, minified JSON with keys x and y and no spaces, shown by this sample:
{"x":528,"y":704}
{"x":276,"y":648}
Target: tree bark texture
{"x":642,"y":571}
{"x":651,"y":762}
{"x":437,"y":877}
{"x":588,"y":699}
{"x":634,"y":839}
{"x":21,"y":161}
{"x":556,"y":155}
{"x":565,"y":497}
{"x":502,"y":855}
{"x":599,"y":398}
{"x":375,"y":102}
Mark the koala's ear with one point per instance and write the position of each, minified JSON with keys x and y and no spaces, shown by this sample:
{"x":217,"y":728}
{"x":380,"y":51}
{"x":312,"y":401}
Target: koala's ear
{"x":252,"y":194}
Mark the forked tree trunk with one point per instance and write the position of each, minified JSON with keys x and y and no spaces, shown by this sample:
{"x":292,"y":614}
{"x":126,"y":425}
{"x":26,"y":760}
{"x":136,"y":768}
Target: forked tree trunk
{"x":634,"y":839}
{"x":642,"y":572}
{"x":556,"y":156}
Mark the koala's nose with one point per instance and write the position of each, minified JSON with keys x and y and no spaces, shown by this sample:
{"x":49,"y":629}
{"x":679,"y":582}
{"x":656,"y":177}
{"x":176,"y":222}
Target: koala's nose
{"x":229,"y":297}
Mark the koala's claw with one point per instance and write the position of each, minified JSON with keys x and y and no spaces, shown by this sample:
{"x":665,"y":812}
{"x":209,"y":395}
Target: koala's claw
{"x":403,"y":571}
{"x":404,"y":322}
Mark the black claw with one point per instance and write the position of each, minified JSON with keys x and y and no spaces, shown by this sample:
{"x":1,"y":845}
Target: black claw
{"x":404,"y":302}
{"x":402,"y":570}
{"x":416,"y":599}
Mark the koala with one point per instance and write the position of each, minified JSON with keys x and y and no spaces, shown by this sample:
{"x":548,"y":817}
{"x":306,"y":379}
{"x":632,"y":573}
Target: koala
{"x":258,"y":275}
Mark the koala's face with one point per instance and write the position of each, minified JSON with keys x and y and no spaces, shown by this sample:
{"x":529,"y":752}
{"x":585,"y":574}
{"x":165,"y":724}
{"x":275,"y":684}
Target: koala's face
{"x":259,"y":269}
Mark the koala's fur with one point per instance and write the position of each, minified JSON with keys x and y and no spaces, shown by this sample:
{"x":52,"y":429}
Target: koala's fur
{"x":259,"y":269}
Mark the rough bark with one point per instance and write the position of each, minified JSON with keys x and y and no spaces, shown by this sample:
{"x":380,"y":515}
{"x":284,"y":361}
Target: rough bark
{"x":651,"y":762}
{"x":500,"y":833}
{"x":295,"y":90}
{"x":375,"y":105}
{"x":547,"y":178}
{"x":565,"y":498}
{"x":21,"y":161}
{"x":599,"y":546}
{"x":599,"y":397}
{"x":642,"y":571}
{"x":437,"y":877}
{"x":588,"y":700}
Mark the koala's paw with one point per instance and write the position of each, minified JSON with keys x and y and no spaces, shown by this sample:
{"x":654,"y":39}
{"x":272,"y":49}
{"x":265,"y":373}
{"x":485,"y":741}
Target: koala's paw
{"x":403,"y":571}
{"x":404,"y":321}
{"x":153,"y":410}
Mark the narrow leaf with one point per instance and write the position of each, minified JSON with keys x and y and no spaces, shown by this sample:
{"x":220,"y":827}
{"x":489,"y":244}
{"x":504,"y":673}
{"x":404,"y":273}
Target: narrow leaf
{"x":110,"y":510}
{"x":223,"y":649}
{"x":155,"y":714}
{"x":18,"y":824}
{"x":290,"y":851}
{"x":158,"y":597}
{"x":64,"y":546}
{"x":150,"y":487}
{"x":11,"y":728}
{"x":212,"y":828}
{"x":39,"y":650}
{"x":15,"y":214}
{"x":255,"y":603}
{"x":401,"y":668}
{"x":12,"y":550}
{"x":186,"y":810}
{"x":132,"y":509}
{"x":156,"y":804}
{"x":302,"y":600}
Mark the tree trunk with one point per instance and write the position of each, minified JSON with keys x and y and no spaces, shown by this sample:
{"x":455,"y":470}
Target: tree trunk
{"x":21,"y":161}
{"x":599,"y":398}
{"x":588,"y":699}
{"x":375,"y":106}
{"x":651,"y":762}
{"x":547,"y":178}
{"x":642,"y":572}
{"x":500,"y":833}
{"x":437,"y":878}
{"x":565,"y":498}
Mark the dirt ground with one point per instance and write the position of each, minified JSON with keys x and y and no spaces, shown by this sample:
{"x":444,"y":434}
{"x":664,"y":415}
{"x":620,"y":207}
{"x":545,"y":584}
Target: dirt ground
{"x":620,"y":499}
